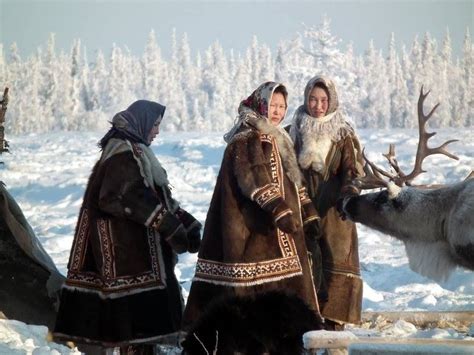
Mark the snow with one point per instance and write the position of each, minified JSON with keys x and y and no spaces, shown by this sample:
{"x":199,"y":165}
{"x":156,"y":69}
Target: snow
{"x":19,"y":338}
{"x":47,"y":174}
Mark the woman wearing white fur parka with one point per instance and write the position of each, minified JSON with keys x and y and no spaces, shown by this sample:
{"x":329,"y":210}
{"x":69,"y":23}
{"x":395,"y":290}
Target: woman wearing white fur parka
{"x":329,"y":157}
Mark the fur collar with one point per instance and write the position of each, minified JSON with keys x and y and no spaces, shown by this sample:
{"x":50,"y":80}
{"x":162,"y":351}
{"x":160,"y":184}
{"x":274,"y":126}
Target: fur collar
{"x":251,"y":119}
{"x":316,"y":136}
{"x":150,"y":168}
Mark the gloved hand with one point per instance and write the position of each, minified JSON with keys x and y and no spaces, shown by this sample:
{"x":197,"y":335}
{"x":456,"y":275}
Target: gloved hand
{"x":194,"y":240}
{"x":311,"y":220}
{"x":173,"y":231}
{"x":283,"y":217}
{"x":287,"y":224}
{"x":193,"y":227}
{"x":340,"y":205}
{"x":313,"y":229}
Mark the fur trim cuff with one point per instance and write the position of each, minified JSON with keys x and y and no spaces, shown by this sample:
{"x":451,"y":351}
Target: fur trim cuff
{"x":263,"y":196}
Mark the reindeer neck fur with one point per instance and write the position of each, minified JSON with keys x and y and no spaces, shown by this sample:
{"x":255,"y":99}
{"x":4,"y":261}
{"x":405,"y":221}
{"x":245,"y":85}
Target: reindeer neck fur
{"x":402,"y":214}
{"x":431,"y":223}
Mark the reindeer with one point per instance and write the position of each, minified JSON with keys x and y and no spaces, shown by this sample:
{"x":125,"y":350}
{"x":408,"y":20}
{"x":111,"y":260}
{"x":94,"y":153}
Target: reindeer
{"x":435,"y":222}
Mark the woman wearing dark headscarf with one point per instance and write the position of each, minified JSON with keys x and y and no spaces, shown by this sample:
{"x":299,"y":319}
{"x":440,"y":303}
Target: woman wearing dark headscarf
{"x":253,"y":237}
{"x":329,"y":156}
{"x":121,"y":289}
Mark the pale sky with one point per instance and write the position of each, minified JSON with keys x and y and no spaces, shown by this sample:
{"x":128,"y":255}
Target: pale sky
{"x":99,"y":24}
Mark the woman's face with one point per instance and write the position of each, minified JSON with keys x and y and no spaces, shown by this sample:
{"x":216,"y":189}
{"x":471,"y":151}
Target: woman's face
{"x":277,"y":108}
{"x":154,"y":130}
{"x":318,"y":102}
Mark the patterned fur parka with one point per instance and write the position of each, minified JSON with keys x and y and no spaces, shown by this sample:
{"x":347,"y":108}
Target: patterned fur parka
{"x":243,"y":252}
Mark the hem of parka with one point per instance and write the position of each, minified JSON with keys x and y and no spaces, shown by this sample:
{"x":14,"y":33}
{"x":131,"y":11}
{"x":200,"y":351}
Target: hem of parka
{"x":343,"y":286}
{"x":341,"y":270}
{"x":87,"y":318}
{"x":86,"y":341}
{"x":204,"y":292}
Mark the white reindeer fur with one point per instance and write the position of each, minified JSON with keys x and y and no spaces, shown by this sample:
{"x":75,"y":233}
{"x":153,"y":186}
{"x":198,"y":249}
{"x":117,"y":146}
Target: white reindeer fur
{"x":432,"y":260}
{"x":431,"y":223}
{"x":314,"y":153}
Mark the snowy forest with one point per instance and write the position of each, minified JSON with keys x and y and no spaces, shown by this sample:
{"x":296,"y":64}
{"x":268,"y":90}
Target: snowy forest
{"x":52,"y":91}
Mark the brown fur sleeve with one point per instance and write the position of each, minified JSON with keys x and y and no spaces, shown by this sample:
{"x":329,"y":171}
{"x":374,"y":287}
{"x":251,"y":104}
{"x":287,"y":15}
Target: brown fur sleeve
{"x":251,"y":169}
{"x":351,"y":162}
{"x":123,"y":192}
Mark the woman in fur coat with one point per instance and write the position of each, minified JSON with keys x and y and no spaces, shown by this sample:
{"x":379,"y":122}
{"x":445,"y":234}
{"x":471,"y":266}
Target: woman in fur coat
{"x":121,"y":290}
{"x":329,"y":156}
{"x":253,"y":237}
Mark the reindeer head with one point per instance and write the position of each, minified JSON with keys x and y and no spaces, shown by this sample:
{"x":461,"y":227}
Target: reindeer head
{"x":392,"y":199}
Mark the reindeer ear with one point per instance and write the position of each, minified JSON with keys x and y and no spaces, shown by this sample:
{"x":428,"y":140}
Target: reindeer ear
{"x":393,"y":190}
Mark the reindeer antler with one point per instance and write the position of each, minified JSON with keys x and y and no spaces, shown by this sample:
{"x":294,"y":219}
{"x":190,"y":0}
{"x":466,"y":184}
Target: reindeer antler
{"x":423,"y":150}
{"x":374,"y":175}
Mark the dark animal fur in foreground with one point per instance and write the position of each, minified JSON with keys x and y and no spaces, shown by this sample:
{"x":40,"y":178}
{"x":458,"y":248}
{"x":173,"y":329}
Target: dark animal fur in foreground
{"x":269,"y":323}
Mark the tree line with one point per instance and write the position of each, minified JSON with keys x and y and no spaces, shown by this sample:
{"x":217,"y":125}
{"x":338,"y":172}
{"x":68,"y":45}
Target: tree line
{"x":377,"y":89}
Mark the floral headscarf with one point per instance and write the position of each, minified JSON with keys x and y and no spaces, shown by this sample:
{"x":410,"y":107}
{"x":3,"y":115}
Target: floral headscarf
{"x":257,"y":104}
{"x":135,"y":123}
{"x":259,"y":100}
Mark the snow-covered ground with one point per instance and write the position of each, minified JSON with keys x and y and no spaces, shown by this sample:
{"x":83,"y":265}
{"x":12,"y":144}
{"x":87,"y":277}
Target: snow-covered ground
{"x":47,"y":175}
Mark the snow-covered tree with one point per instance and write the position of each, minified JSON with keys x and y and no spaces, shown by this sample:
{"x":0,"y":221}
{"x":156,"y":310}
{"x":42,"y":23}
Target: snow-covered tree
{"x":377,"y":102}
{"x":64,"y":91}
{"x":466,"y":109}
{"x":397,"y":88}
{"x":154,"y":70}
{"x":217,"y":84}
{"x":445,"y":84}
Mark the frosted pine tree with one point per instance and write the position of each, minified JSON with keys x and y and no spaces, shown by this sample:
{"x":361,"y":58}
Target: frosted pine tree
{"x":27,"y":97}
{"x":267,"y":71}
{"x":199,"y":122}
{"x":445,"y":83}
{"x":352,"y":95}
{"x":117,"y":82}
{"x":406,"y":65}
{"x":323,"y":48}
{"x":89,"y":119}
{"x":97,"y":84}
{"x":216,"y":83}
{"x":64,"y":101}
{"x":49,"y":86}
{"x":173,"y":95}
{"x":296,"y":63}
{"x":466,"y":109}
{"x":377,"y":102}
{"x":154,"y":71}
{"x":397,"y":89}
{"x":15,"y":123}
{"x":242,"y":87}
{"x":281,"y":65}
{"x":416,"y":66}
{"x":76,"y":108}
{"x":252,"y":54}
{"x":428,"y":76}
{"x":190,"y":80}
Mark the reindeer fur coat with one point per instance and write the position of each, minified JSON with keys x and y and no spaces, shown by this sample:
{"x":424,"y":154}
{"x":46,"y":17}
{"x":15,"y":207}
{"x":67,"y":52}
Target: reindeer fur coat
{"x":329,"y":156}
{"x":121,"y":285}
{"x":243,"y":252}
